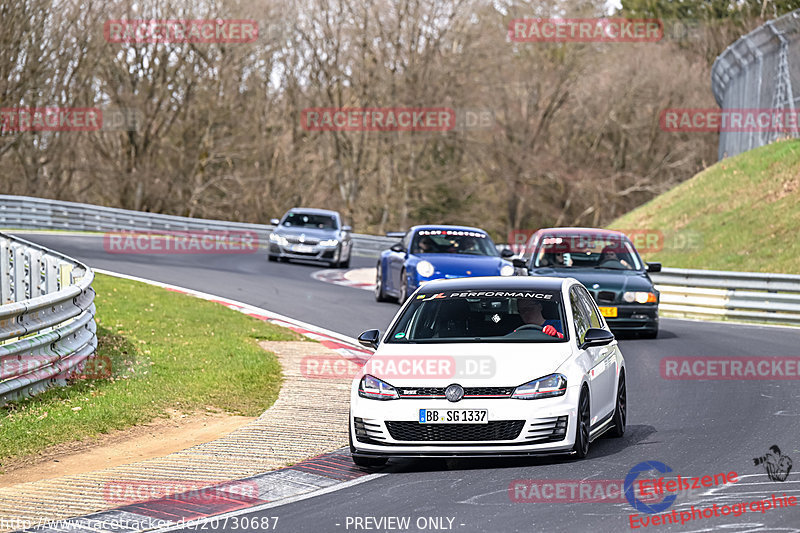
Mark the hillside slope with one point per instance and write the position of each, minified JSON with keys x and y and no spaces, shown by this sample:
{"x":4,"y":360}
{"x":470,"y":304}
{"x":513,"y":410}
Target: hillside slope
{"x":742,"y":214}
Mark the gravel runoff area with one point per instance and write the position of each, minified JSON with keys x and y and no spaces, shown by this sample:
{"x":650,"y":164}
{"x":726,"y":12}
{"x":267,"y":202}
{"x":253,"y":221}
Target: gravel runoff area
{"x":301,"y":424}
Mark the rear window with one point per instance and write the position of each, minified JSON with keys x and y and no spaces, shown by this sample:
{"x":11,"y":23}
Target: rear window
{"x":481,"y":316}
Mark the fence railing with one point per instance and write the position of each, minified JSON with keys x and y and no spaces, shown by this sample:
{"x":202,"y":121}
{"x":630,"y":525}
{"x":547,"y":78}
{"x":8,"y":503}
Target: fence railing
{"x":47,"y":328}
{"x":746,"y":296}
{"x":24,"y":212}
{"x":761,"y":71}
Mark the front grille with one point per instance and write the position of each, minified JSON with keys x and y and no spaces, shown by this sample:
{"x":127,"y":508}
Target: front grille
{"x":606,"y":296}
{"x":296,"y":240}
{"x":414,"y":431}
{"x":488,"y":391}
{"x":549,"y":429}
{"x":469,"y":392}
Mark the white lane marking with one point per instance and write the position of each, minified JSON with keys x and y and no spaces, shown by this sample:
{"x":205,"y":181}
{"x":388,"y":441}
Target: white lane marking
{"x":339,"y":277}
{"x":347,"y":484}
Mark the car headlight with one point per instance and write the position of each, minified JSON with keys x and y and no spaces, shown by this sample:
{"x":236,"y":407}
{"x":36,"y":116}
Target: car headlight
{"x":329,"y":242}
{"x":640,"y":297}
{"x":278,"y":239}
{"x":507,"y":270}
{"x":373,"y":388}
{"x":546,"y":387}
{"x":425,"y":269}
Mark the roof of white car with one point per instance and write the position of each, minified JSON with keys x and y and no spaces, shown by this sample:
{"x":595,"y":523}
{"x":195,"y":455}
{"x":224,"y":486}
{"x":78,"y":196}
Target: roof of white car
{"x":496,"y":283}
{"x":312,"y":211}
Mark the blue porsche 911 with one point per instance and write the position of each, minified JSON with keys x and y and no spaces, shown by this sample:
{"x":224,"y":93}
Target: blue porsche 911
{"x":433,"y":252}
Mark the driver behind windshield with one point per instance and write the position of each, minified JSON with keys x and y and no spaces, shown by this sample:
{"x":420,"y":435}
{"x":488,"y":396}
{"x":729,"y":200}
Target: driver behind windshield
{"x":425,"y":246}
{"x":530,"y":310}
{"x":610,"y":259}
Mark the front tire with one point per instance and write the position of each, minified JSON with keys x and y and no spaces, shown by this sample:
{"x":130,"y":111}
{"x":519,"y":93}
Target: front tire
{"x":620,"y":409}
{"x":403,"y":288}
{"x":346,"y":262}
{"x":380,"y":296}
{"x":581,"y":447}
{"x":271,"y":258}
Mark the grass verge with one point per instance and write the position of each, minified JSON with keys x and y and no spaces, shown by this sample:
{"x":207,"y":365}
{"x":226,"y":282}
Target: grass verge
{"x":166,"y":351}
{"x":741,"y":214}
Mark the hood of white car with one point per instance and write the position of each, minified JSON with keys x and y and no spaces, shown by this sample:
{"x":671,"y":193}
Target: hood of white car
{"x":469,"y":365}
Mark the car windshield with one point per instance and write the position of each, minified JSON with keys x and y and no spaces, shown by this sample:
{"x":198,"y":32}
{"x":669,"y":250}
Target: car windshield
{"x":579,"y":251}
{"x":515,"y":315}
{"x":309,"y":220}
{"x":446,"y":241}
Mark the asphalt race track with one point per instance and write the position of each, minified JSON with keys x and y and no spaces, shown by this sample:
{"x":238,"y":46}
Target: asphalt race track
{"x":695,"y":427}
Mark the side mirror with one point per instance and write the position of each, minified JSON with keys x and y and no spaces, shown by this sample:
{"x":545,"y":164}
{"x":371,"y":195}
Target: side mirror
{"x":519,"y":262}
{"x":654,"y":267}
{"x":507,"y":252}
{"x":274,"y":221}
{"x":596,"y":337}
{"x":398,"y":247}
{"x":347,"y":228}
{"x":370,"y":338}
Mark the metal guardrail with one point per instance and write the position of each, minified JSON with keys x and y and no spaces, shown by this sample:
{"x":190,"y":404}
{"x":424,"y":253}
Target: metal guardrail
{"x":746,"y":296}
{"x":47,"y":328}
{"x":24,"y":212}
{"x":759,"y":71}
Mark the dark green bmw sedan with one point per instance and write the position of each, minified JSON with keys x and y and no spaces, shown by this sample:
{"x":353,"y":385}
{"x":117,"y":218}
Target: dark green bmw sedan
{"x":607,"y":263}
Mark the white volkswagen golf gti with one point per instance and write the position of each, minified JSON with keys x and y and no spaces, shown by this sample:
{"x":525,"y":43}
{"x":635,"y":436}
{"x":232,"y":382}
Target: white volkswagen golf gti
{"x":489,"y":366}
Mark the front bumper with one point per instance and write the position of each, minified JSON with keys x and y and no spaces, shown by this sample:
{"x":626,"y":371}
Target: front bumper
{"x":375,"y":432}
{"x":633,"y":317}
{"x":312,"y":253}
